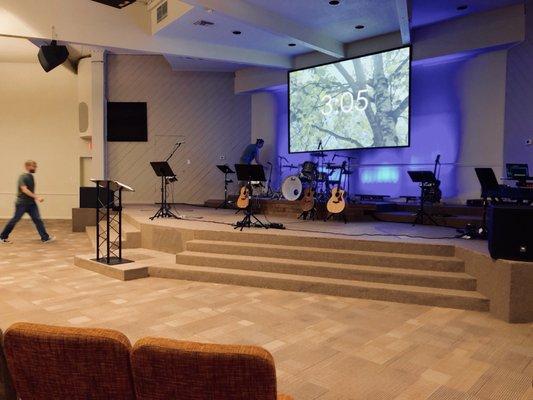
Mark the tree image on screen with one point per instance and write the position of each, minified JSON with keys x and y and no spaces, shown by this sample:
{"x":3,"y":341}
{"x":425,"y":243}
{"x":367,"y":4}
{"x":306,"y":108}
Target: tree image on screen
{"x":358,"y":103}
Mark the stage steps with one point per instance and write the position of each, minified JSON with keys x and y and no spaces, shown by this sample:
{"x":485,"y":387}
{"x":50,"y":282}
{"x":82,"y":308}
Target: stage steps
{"x":131,"y":235}
{"x":415,"y":273}
{"x":334,"y":242}
{"x":462,"y":299}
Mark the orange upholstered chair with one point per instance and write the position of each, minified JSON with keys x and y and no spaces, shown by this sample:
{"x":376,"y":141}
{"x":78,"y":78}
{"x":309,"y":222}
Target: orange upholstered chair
{"x":49,"y":362}
{"x":166,"y":369}
{"x":6,"y":389}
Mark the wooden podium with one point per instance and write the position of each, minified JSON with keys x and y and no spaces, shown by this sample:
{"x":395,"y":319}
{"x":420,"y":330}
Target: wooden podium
{"x":109,"y":221}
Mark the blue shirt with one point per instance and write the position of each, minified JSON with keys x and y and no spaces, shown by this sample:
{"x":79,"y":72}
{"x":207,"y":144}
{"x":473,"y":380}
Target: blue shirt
{"x":249,"y":154}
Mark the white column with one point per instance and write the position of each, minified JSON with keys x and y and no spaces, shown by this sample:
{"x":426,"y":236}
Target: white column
{"x":98,"y":107}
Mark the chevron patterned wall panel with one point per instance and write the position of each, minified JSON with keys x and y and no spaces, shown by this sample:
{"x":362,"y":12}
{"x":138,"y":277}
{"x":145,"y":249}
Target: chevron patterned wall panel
{"x":199,"y":108}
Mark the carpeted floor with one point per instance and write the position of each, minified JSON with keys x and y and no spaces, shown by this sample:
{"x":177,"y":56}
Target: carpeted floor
{"x":324,"y":347}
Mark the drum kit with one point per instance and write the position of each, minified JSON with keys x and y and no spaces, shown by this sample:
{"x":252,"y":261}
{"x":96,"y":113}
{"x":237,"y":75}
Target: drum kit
{"x":319,"y":175}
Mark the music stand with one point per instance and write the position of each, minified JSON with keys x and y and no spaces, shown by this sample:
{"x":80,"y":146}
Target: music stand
{"x":425,"y":179}
{"x":249,"y":173}
{"x":226,"y":171}
{"x":163,"y":170}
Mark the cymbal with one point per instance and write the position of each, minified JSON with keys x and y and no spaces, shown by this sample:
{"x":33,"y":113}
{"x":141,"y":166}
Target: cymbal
{"x":318,"y":154}
{"x":290,"y":166}
{"x":333,"y":166}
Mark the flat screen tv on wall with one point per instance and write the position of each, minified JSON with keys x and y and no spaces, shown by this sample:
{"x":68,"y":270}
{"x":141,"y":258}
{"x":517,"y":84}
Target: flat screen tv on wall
{"x":127,"y":122}
{"x":358,"y":103}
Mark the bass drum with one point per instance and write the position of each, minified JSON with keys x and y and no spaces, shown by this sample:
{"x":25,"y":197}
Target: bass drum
{"x":292,"y":188}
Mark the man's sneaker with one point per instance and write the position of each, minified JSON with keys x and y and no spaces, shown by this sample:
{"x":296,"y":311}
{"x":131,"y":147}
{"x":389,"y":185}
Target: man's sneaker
{"x":50,"y":239}
{"x":5,"y":241}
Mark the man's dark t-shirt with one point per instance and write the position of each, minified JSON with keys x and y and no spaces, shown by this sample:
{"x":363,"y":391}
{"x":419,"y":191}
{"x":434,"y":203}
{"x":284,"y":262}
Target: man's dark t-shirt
{"x":25,"y":180}
{"x":249,"y":153}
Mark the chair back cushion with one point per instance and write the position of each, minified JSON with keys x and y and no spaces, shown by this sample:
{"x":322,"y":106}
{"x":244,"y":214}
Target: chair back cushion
{"x":166,"y":369}
{"x":48,"y":362}
{"x":6,"y":388}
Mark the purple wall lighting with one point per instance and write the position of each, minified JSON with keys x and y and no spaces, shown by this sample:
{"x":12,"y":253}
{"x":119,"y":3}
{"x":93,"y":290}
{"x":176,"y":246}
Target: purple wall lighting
{"x":436,"y":128}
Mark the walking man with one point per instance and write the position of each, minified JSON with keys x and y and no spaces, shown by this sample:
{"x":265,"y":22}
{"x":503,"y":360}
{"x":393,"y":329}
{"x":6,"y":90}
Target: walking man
{"x":27,"y":203}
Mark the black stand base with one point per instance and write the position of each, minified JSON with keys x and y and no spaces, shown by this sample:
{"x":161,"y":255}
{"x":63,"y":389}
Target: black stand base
{"x":311,"y":214}
{"x":164,"y":212}
{"x":225,"y":204}
{"x":339,"y":215}
{"x":420,"y":215}
{"x":247,"y":222}
{"x":112,"y":260}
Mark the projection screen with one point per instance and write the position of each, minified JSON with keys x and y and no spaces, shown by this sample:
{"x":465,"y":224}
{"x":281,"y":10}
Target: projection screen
{"x":360,"y":103}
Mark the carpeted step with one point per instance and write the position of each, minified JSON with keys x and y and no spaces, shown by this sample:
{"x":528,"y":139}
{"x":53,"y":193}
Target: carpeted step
{"x":382,"y":259}
{"x":337,"y":242}
{"x":468,"y":300}
{"x":403,"y":276}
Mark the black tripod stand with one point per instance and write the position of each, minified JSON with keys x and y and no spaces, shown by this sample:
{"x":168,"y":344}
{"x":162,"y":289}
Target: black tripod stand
{"x":226,"y":171}
{"x":163,"y":170}
{"x":250,"y":173}
{"x":426,"y":179}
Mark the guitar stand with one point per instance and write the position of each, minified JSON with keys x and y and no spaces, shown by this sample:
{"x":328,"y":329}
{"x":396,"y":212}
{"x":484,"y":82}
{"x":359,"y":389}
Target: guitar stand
{"x":341,"y":214}
{"x":311,"y":214}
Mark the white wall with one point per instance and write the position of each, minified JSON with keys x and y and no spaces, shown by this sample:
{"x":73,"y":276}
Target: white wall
{"x":38,"y":120}
{"x":198,"y":108}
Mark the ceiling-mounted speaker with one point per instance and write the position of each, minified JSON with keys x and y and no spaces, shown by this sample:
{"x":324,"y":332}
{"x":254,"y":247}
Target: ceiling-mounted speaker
{"x":116,"y":3}
{"x":52,"y":55}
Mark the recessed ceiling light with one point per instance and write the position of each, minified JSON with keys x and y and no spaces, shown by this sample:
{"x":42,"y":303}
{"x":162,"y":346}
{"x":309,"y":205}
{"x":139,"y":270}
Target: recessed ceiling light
{"x":462,"y":8}
{"x":334,"y":2}
{"x":236,"y":32}
{"x":292,"y":44}
{"x":359,"y":27}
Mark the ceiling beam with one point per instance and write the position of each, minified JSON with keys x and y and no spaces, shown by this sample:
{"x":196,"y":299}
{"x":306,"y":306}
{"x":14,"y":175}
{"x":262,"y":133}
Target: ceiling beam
{"x":402,"y":7}
{"x":90,"y":23}
{"x":274,"y":23}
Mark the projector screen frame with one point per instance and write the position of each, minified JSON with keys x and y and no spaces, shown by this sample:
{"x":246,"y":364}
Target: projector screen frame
{"x":289,"y":72}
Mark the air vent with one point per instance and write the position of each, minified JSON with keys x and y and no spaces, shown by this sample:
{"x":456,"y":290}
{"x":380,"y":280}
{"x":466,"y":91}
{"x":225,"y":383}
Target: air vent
{"x":162,"y":12}
{"x":202,"y":22}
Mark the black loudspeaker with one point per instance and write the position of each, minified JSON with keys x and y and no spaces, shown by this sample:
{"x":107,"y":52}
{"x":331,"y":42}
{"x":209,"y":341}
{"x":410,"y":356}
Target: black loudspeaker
{"x":53,"y":55}
{"x":88,"y":197}
{"x":510,"y":230}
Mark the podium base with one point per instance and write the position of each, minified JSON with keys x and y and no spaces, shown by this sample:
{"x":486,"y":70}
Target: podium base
{"x":112,"y":260}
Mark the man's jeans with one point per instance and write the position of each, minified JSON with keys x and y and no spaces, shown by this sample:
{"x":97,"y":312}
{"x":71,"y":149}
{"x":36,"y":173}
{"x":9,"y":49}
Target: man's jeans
{"x":20,"y":210}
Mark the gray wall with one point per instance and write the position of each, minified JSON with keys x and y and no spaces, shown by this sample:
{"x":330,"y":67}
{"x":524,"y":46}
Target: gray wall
{"x":199,"y":108}
{"x":519,"y":98}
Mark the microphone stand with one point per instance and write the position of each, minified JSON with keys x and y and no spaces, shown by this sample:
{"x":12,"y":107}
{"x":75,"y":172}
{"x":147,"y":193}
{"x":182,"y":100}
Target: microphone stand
{"x":171,"y":179}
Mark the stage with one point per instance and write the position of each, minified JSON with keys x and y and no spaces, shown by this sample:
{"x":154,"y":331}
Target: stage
{"x":366,"y":259}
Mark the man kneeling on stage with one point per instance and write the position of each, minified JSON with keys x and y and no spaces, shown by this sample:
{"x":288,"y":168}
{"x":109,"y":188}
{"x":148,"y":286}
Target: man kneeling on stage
{"x":27,"y":203}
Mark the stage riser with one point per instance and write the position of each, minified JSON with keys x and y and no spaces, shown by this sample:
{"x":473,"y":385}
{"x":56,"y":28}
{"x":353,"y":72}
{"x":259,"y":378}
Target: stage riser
{"x":335,"y":271}
{"x":337,"y":243}
{"x":316,"y":286}
{"x":458,"y":221}
{"x":309,"y":254}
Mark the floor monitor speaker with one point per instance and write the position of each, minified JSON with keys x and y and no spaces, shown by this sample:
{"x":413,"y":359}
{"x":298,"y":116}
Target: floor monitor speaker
{"x":510,"y":232}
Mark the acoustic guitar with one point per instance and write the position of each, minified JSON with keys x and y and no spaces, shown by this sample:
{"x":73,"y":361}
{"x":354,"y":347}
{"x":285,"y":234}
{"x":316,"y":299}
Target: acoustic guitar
{"x":336,"y":203}
{"x":243,"y":201}
{"x":307,"y":203}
